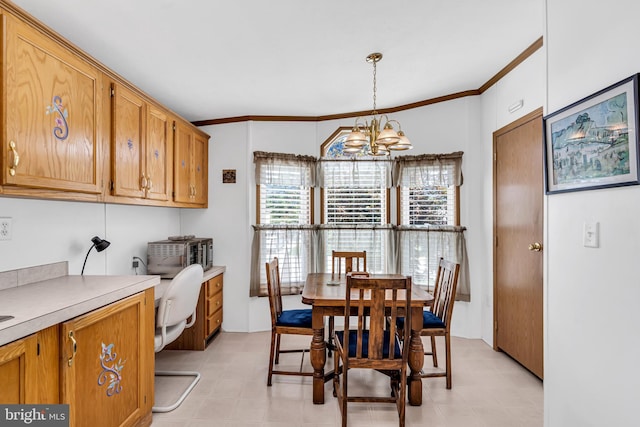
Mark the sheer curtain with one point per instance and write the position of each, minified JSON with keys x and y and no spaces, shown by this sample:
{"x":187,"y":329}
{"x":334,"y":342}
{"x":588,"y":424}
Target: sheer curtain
{"x":355,"y":173}
{"x":377,"y":240}
{"x":420,"y":249}
{"x":428,"y":170}
{"x":295,"y":247}
{"x":421,"y":246}
{"x":284,"y":169}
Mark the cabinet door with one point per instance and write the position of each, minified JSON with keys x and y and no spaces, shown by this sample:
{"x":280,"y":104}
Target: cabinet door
{"x":199,"y":173}
{"x":51,"y":116}
{"x":108,"y":362}
{"x":127,"y":146}
{"x":182,"y":185}
{"x":159,"y":139}
{"x":190,"y":166}
{"x":18,"y":371}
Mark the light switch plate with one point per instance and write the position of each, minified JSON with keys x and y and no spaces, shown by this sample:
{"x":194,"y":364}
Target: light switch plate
{"x":591,"y":235}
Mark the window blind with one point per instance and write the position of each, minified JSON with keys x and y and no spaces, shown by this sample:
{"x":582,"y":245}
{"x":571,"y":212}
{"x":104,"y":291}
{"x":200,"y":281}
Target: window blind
{"x":428,"y":205}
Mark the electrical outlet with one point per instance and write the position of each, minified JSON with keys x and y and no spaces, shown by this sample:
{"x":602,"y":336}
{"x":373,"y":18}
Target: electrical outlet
{"x":5,"y":229}
{"x":134,"y":262}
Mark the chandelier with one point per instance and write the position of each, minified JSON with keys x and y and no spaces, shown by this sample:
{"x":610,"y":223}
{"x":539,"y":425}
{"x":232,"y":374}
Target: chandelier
{"x":368,"y":132}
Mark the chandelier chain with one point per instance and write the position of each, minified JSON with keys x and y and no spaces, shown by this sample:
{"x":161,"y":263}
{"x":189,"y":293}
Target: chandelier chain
{"x":374,"y":88}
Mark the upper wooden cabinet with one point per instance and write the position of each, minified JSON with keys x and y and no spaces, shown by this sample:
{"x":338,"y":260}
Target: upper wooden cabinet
{"x":140,"y":147}
{"x":72,"y":129}
{"x":191,"y":156}
{"x":52,"y":123}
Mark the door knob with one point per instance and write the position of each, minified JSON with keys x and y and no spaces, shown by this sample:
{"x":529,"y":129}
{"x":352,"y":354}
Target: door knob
{"x":536,"y":247}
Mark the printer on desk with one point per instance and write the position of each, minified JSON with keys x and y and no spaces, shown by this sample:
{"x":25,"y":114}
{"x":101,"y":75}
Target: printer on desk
{"x":168,"y":257}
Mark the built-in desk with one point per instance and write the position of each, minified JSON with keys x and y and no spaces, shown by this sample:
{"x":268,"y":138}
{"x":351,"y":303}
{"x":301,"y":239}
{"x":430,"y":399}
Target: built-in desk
{"x":85,"y":341}
{"x":209,"y":274}
{"x":36,"y":306}
{"x":208,"y":311}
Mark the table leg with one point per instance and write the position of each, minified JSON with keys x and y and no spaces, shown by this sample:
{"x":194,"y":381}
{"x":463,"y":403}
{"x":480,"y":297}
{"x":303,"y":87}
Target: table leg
{"x":318,"y":355}
{"x":416,"y":358}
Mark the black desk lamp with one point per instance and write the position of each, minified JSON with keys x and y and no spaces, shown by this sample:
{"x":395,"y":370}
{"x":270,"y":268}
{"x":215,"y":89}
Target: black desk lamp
{"x":100,"y":246}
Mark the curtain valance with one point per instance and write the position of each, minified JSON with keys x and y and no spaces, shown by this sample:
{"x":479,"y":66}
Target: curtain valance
{"x":428,"y":170}
{"x":285,"y":169}
{"x":361,"y":173}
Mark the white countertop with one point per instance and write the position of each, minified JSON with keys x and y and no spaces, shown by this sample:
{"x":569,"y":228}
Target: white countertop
{"x":42,"y":304}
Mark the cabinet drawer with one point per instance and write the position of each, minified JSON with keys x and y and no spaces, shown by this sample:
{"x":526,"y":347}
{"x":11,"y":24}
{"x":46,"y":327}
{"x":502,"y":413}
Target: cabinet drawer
{"x":214,"y":285}
{"x":214,"y":322}
{"x":214,"y":304}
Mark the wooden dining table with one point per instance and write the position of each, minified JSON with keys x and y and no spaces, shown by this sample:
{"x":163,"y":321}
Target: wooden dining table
{"x":326,"y":293}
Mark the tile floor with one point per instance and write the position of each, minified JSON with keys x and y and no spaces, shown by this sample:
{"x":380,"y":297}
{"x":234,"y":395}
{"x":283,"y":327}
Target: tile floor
{"x":489,"y":389}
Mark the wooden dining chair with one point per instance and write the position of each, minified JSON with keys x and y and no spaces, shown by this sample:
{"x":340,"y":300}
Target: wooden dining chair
{"x":352,"y":261}
{"x":294,"y":322}
{"x":378,"y":347}
{"x":437,"y":321}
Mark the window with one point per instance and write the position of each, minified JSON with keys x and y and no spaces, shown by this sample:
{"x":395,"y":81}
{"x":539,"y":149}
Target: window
{"x":428,"y":208}
{"x":355,"y":200}
{"x":285,"y":193}
{"x":355,"y":214}
{"x":284,"y":205}
{"x":432,"y":205}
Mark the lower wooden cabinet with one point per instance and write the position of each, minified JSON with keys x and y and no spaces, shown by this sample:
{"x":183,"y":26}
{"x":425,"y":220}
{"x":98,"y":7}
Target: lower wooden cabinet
{"x":208,"y":318}
{"x":107,"y":364}
{"x":18,"y":371}
{"x":29,"y":369}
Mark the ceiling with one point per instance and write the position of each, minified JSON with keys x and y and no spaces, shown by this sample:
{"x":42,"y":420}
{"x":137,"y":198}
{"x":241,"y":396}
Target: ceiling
{"x":211,"y":59}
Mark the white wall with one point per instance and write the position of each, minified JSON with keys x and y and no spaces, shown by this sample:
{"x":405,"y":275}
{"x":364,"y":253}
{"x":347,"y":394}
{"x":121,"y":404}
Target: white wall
{"x":593,"y":344}
{"x":52,"y":231}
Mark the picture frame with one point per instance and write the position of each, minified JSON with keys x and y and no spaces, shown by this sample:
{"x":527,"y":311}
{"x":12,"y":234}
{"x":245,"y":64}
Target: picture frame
{"x":593,"y":143}
{"x":228,"y":176}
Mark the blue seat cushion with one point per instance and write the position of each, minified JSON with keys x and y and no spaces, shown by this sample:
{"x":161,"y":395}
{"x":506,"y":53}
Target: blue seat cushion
{"x":429,"y":321}
{"x":297,"y":318}
{"x":353,"y":342}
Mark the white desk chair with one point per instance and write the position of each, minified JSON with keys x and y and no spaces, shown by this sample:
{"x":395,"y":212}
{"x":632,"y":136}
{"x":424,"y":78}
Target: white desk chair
{"x":176,"y":306}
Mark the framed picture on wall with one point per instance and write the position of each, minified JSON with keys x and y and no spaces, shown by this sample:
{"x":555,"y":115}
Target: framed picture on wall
{"x":593,"y":143}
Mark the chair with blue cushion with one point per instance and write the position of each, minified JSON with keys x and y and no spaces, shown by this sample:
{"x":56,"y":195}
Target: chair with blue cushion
{"x":296,"y":322}
{"x":437,"y":321}
{"x":377,"y":347}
